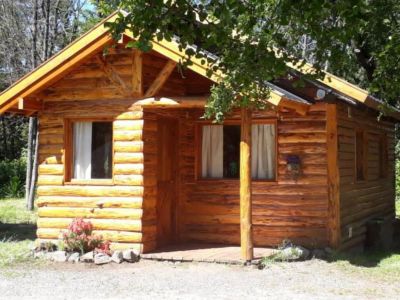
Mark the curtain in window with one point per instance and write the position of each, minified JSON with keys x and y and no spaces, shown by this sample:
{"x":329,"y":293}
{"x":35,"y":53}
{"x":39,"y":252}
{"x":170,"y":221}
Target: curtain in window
{"x":212,"y":151}
{"x":263,"y":151}
{"x":82,"y":150}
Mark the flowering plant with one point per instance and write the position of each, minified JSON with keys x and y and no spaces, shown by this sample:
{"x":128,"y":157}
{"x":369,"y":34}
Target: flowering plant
{"x":79,"y":237}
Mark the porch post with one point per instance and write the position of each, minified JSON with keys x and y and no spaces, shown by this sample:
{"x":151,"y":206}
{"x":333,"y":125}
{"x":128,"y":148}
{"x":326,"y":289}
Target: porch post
{"x":246,"y":238}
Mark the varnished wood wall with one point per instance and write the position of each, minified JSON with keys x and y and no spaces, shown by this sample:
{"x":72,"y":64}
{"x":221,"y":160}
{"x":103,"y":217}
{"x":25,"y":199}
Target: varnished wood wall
{"x":208,"y":210}
{"x":363,"y":200}
{"x":117,"y":209}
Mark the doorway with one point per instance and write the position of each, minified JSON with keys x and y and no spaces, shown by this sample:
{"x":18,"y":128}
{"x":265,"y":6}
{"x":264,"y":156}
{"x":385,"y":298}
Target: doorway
{"x":166,"y":180}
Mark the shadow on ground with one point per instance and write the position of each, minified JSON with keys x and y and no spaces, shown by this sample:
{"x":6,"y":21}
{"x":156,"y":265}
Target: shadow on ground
{"x":17,"y":232}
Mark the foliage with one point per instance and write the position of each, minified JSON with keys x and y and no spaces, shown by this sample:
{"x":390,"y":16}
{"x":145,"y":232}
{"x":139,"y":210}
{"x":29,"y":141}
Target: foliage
{"x":12,"y":178}
{"x":81,"y":238}
{"x":255,"y":40}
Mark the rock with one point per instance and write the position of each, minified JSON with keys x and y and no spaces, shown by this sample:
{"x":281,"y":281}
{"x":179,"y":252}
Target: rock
{"x":73,"y":257}
{"x":130,"y":255}
{"x":101,"y":259}
{"x":39,"y":254}
{"x":57,"y":256}
{"x":318,"y":253}
{"x":87,"y":257}
{"x":117,"y":257}
{"x":293,"y":253}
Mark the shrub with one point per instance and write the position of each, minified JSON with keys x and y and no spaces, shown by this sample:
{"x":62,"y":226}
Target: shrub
{"x":80,"y":237}
{"x":12,"y":178}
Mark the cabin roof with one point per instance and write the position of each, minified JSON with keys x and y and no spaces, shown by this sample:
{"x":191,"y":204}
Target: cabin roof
{"x":98,"y":37}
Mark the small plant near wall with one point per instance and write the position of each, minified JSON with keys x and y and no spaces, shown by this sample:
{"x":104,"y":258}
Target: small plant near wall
{"x":80,"y":238}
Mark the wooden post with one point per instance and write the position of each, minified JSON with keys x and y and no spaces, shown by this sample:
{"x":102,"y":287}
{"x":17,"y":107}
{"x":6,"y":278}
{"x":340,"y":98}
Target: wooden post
{"x":333,"y":176}
{"x":246,"y":238}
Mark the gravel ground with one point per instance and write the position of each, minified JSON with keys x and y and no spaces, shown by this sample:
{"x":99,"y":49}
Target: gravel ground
{"x":162,"y":280}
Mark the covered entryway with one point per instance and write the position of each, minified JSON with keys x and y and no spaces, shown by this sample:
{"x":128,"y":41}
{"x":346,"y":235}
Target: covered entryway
{"x":167,"y":136}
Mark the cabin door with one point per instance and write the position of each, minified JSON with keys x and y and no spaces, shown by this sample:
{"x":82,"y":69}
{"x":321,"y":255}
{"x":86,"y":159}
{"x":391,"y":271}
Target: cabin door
{"x":166,"y":177}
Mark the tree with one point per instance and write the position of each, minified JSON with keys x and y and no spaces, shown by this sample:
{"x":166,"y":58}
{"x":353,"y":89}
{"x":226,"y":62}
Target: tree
{"x":255,"y":40}
{"x":31,"y":31}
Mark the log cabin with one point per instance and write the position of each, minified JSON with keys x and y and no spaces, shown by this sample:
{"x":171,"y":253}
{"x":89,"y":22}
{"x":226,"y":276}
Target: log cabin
{"x":122,"y":144}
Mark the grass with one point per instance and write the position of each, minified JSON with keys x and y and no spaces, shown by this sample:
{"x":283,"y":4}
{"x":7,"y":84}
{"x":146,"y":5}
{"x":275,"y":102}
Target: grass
{"x":398,"y":208}
{"x":17,"y":232}
{"x":12,"y":211}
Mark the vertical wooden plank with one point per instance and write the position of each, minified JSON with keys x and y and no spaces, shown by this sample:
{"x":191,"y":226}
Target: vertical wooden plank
{"x":137,"y":74}
{"x":246,"y":238}
{"x":333,"y":176}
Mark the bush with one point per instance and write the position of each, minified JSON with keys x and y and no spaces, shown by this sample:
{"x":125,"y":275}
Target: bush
{"x":81,"y":238}
{"x":12,"y":178}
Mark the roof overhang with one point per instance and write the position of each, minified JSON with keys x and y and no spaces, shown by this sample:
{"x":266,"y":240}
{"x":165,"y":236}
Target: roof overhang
{"x":13,"y":98}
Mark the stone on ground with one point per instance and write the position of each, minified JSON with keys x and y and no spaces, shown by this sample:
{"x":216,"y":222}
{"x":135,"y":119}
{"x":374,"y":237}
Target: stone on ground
{"x":293,"y":253}
{"x":87,"y":257}
{"x":57,"y":256}
{"x":101,"y":259}
{"x":73,"y":257}
{"x":117,"y":257}
{"x":130,"y":255}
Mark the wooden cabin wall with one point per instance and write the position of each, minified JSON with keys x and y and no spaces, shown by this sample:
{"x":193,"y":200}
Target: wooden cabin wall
{"x":363,"y":200}
{"x":117,"y":210}
{"x":208,"y":210}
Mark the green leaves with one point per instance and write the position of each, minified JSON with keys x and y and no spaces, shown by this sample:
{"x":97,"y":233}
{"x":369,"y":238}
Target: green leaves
{"x":255,"y":40}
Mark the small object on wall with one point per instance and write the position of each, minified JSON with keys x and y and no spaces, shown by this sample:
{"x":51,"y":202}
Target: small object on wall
{"x":293,"y":166}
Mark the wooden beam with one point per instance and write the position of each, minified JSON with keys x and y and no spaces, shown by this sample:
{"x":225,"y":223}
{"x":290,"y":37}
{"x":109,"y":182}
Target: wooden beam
{"x":175,"y":102}
{"x":246,"y":237}
{"x":29,"y":105}
{"x":333,"y":176}
{"x":137,"y":73}
{"x":113,"y":76}
{"x":160,"y":79}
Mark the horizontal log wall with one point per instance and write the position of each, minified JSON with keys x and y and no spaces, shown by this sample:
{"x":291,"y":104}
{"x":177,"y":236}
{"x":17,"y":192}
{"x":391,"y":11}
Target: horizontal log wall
{"x":363,"y":200}
{"x":208,"y":210}
{"x":123,"y":211}
{"x":116,"y":209}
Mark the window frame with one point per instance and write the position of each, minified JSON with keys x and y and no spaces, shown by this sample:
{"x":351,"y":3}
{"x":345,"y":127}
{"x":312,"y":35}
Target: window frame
{"x":198,"y":149}
{"x":69,"y":156}
{"x":364,"y":134}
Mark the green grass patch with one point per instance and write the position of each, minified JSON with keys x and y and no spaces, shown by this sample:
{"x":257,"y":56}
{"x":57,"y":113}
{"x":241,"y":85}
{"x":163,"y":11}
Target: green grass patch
{"x":398,"y":208}
{"x":15,"y":252}
{"x":17,"y":233}
{"x":378,"y":264}
{"x":13,"y":211}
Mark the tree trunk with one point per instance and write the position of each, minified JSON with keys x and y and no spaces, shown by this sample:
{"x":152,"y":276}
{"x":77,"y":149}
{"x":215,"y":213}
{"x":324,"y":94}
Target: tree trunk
{"x":29,"y":161}
{"x":31,"y":194}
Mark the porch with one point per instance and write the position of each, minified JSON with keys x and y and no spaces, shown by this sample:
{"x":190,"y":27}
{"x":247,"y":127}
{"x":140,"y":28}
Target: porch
{"x":201,"y":252}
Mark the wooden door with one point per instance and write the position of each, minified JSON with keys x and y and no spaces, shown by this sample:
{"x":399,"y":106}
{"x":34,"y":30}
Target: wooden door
{"x":166,"y":177}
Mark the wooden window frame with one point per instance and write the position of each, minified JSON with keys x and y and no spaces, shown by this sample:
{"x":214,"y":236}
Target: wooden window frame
{"x":198,"y":148}
{"x":68,"y":153}
{"x":365,"y":155}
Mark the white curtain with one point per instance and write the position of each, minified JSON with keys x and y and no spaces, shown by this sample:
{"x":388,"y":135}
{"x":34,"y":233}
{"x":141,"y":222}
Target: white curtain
{"x":82,"y":150}
{"x":212,"y":151}
{"x":263,"y":151}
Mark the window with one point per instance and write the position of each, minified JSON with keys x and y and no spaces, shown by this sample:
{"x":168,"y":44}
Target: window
{"x":360,"y":155}
{"x":91,"y":153}
{"x":383,"y":157}
{"x":220,"y":151}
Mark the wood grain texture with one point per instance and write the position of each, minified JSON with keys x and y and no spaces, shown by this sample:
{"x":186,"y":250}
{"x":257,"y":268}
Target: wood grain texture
{"x":362,"y":200}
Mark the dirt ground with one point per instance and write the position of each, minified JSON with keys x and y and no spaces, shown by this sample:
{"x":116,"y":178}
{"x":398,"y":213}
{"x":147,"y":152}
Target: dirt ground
{"x":313,"y":279}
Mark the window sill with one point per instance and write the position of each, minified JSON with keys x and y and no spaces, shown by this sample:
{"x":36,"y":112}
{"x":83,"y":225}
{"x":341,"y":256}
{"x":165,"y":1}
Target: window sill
{"x":90,"y":182}
{"x":234,"y":180}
